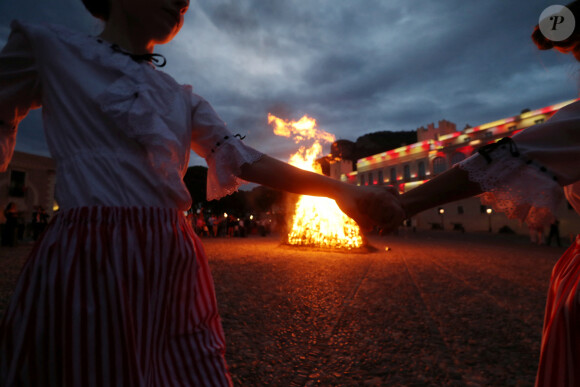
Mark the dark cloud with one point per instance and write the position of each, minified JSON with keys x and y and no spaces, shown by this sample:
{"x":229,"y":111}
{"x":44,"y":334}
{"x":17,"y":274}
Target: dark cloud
{"x":355,"y":66}
{"x":232,"y":17}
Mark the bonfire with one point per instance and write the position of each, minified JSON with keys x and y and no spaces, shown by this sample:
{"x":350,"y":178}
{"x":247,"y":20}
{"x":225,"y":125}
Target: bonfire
{"x":316,"y":221}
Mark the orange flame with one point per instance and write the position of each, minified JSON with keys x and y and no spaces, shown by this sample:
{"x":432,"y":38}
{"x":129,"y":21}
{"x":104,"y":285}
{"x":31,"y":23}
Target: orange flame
{"x":303,"y":129}
{"x":317,"y":221}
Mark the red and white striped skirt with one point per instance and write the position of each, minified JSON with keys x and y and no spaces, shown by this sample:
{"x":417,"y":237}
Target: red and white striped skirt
{"x":560,"y":353}
{"x":114,"y":297}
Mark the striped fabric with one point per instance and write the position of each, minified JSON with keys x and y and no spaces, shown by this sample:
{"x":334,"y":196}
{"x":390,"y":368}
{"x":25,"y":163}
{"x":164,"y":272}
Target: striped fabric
{"x":560,"y":354}
{"x":114,"y":297}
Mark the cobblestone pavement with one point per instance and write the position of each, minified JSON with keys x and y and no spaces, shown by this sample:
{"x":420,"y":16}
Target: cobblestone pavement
{"x":438,"y":309}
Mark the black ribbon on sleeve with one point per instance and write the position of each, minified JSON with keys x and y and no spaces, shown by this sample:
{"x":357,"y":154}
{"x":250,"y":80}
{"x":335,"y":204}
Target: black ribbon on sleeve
{"x":217,"y":144}
{"x":485,"y":151}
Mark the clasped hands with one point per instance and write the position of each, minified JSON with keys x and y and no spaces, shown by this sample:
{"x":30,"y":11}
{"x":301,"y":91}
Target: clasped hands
{"x":373,"y":207}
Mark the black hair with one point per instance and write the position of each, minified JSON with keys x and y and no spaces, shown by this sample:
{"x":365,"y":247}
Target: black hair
{"x":100,"y":9}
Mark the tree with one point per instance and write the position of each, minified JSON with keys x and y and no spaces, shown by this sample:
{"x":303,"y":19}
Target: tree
{"x":195,"y":180}
{"x":262,"y":199}
{"x":378,"y":142}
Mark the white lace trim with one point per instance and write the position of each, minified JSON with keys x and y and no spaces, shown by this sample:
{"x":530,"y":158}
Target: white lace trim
{"x":224,"y":166}
{"x":522,"y":190}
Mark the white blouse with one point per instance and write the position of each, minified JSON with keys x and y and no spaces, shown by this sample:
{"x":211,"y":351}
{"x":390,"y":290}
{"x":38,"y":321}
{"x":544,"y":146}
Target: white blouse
{"x":120,"y":131}
{"x":525,"y":178}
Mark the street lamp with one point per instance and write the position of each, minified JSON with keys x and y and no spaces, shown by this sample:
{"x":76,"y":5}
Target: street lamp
{"x":442,"y":213}
{"x":489,"y":212}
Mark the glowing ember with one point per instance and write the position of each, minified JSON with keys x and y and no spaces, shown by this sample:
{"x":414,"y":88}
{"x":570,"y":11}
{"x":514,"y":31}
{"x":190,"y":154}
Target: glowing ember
{"x":317,"y":221}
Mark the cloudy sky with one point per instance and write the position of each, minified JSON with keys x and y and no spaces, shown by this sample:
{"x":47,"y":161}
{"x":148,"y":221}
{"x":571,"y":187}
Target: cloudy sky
{"x":356,"y":66}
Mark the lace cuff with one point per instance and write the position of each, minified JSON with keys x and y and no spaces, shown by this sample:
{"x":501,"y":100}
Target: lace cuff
{"x":224,"y":165}
{"x":518,"y":187}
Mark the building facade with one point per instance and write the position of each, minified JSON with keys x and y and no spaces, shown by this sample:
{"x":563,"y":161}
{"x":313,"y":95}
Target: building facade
{"x":28,"y":182}
{"x":436,"y":151}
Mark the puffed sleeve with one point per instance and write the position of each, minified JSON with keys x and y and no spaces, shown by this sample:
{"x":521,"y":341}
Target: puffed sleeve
{"x":523,"y":176}
{"x":19,"y":89}
{"x":224,"y":152}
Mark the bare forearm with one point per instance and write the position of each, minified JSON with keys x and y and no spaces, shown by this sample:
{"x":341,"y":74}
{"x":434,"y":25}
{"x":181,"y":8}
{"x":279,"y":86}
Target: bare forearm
{"x":450,"y":186}
{"x":368,"y":206}
{"x":282,"y":176}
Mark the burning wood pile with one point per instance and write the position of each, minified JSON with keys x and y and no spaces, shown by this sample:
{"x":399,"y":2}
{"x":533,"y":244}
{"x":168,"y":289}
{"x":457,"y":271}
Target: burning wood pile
{"x":316,"y":222}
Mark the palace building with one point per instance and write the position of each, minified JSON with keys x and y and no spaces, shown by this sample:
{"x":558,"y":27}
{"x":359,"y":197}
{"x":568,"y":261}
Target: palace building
{"x":437,"y":149}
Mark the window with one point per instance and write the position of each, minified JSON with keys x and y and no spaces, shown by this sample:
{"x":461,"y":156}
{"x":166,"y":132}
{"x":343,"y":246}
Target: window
{"x":483,"y":209}
{"x":393,"y":176}
{"x":439,"y":165}
{"x":371,"y":182}
{"x":407,"y":172}
{"x":362,"y":179}
{"x":422,"y":174}
{"x":16,"y":187}
{"x":380,"y":177}
{"x":539,"y":121}
{"x":460,"y":210}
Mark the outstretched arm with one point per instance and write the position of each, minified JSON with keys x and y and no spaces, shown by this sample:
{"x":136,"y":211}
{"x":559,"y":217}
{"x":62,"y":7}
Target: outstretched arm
{"x":282,"y":176}
{"x":450,"y":186}
{"x":367,"y":206}
{"x":522,"y":175}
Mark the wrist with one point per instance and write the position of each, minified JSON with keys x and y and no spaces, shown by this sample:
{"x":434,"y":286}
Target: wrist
{"x":338,"y":189}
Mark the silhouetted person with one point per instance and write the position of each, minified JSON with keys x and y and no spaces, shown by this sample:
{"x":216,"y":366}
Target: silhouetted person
{"x":554,"y":232}
{"x":39,"y":222}
{"x":11,"y":225}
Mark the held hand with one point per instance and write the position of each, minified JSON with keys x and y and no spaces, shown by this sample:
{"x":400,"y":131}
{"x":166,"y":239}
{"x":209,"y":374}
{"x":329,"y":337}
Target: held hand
{"x":384,"y":208}
{"x":372,"y":206}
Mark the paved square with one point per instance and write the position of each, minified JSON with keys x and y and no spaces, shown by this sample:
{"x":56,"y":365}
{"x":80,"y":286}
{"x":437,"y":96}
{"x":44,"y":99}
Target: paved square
{"x":439,"y":308}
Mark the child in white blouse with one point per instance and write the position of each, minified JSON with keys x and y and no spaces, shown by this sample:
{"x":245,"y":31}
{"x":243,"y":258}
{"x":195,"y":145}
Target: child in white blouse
{"x":117,"y":291}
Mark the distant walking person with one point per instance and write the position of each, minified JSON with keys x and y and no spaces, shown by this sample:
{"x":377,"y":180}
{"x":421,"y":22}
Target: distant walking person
{"x":554,"y":233}
{"x":10,"y":232}
{"x":39,"y":222}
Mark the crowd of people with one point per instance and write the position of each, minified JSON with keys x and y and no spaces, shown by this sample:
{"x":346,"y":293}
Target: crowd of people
{"x":228,"y":225}
{"x":18,"y":227}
